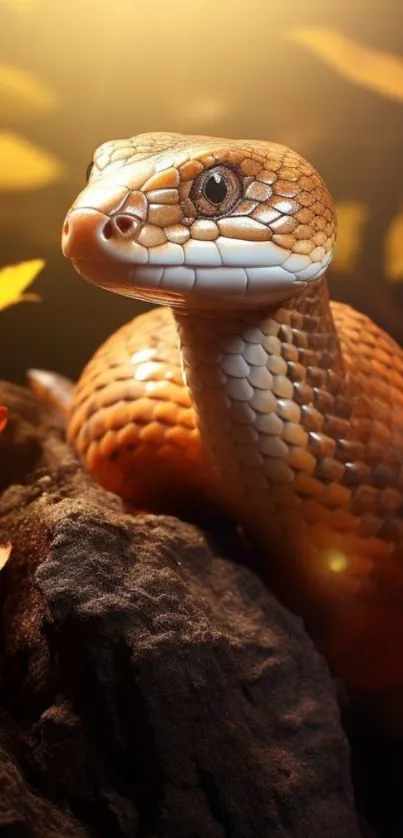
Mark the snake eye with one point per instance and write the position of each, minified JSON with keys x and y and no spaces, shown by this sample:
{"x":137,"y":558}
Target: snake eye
{"x":89,"y":170}
{"x":216,"y":191}
{"x":215,"y":188}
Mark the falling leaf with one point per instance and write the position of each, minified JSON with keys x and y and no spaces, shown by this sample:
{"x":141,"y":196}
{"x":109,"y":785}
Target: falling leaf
{"x":3,"y":417}
{"x":23,"y":95}
{"x":14,"y":279}
{"x":5,"y":550}
{"x":379,"y":71}
{"x":351,"y":217}
{"x":394,"y":250}
{"x":24,"y":166}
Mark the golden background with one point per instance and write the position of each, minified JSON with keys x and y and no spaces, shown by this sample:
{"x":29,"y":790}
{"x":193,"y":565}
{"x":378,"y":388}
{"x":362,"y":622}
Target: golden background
{"x":325,"y":78}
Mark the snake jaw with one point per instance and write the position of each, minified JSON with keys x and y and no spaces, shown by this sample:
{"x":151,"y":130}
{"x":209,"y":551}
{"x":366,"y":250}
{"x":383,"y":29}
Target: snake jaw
{"x":175,"y":275}
{"x":170,"y":286}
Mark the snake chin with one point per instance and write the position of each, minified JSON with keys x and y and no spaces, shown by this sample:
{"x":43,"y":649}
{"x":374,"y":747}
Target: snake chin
{"x":192,"y":288}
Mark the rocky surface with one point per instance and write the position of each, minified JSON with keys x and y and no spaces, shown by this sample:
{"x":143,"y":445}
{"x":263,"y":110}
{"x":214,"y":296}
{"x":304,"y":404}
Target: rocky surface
{"x":150,"y":683}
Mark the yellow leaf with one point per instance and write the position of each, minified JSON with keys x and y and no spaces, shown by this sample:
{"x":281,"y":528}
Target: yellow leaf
{"x":5,"y":550}
{"x":379,"y":71}
{"x":24,"y":166}
{"x":351,"y":217}
{"x":23,"y":95}
{"x":14,"y":279}
{"x":394,"y":250}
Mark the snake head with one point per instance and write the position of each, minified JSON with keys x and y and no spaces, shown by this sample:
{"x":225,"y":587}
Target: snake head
{"x":199,"y":222}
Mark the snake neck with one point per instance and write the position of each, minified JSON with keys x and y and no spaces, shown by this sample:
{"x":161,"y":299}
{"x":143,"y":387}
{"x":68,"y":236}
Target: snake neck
{"x":260,"y":382}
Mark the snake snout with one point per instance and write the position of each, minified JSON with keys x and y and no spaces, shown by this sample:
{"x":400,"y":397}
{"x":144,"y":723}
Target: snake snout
{"x":87,"y":232}
{"x":82,"y":233}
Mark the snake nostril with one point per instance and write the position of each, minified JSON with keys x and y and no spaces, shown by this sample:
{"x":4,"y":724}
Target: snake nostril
{"x":107,"y":231}
{"x":66,"y":228}
{"x":125,"y":224}
{"x":122,"y":225}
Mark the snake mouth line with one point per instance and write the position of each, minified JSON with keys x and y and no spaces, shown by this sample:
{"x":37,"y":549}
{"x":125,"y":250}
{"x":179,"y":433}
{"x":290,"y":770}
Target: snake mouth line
{"x":179,"y":284}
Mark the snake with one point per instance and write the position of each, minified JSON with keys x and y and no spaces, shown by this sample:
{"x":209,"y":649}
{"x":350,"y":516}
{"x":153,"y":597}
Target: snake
{"x":244,"y":385}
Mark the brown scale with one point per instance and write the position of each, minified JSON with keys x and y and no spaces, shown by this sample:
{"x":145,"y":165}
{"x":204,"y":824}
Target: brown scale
{"x":132,"y":419}
{"x":106,"y":405}
{"x":288,"y":196}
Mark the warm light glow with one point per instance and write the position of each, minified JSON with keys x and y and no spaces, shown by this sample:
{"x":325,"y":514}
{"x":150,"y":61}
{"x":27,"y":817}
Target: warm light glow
{"x":336,"y":561}
{"x":25,"y":96}
{"x":25,"y":166}
{"x":146,"y":370}
{"x":356,"y":60}
{"x":142,"y":355}
{"x":5,"y":551}
{"x":19,"y":5}
{"x":351,"y":219}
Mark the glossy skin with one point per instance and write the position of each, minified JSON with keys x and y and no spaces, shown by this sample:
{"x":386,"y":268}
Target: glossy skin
{"x":292,"y":412}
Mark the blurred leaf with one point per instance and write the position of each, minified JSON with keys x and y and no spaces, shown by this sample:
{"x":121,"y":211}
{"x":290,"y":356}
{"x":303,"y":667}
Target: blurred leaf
{"x":14,"y":279}
{"x":394,"y":250}
{"x":23,"y":95}
{"x":3,"y":417}
{"x":24,"y":166}
{"x":5,"y":550}
{"x":351,"y":217}
{"x":367,"y":67}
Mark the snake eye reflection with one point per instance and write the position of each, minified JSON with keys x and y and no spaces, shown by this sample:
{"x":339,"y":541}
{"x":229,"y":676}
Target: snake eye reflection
{"x":216,"y":191}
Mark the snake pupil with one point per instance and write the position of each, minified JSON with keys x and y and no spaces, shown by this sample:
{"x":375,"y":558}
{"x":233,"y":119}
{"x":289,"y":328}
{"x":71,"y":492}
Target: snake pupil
{"x":215,"y":188}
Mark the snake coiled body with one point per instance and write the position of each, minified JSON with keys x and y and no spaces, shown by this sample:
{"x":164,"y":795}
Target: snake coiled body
{"x":250,"y":389}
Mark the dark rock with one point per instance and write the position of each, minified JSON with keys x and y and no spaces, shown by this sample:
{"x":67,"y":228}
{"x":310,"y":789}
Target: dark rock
{"x":23,"y":814}
{"x":21,"y":444}
{"x":150,"y":685}
{"x":377,"y":769}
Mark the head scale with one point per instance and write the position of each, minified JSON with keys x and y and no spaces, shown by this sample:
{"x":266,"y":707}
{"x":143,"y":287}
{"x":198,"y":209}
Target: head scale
{"x":199,"y":222}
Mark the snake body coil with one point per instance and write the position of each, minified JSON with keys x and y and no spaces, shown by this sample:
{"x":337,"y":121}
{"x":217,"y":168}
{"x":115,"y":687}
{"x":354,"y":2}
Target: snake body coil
{"x":251,"y":389}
